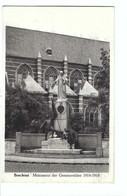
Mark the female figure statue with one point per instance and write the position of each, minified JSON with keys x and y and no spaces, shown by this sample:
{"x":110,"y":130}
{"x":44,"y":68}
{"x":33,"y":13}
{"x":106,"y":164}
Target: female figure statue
{"x":62,"y":81}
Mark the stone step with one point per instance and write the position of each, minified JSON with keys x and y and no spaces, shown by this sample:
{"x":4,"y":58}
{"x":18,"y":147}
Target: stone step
{"x":88,"y":152}
{"x":55,"y":151}
{"x":56,"y":156}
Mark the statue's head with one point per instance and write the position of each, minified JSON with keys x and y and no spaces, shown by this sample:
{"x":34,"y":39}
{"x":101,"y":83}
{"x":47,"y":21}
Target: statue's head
{"x":61,"y":73}
{"x":47,"y":116}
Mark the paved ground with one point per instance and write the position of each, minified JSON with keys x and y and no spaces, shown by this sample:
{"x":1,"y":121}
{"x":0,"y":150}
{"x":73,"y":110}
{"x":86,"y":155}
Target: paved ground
{"x":39,"y":167}
{"x":58,"y":160}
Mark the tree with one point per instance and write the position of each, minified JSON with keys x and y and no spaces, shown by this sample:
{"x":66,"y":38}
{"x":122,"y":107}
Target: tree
{"x":22,"y":108}
{"x":102,"y":81}
{"x":76,"y":121}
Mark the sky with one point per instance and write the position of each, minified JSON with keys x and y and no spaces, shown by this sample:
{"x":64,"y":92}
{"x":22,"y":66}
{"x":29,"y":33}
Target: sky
{"x":89,"y":22}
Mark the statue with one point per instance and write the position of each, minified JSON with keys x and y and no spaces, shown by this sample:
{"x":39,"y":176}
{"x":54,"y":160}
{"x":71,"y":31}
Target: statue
{"x":71,"y":136}
{"x":61,"y":104}
{"x":62,"y":81}
{"x":47,"y":126}
{"x":35,"y":125}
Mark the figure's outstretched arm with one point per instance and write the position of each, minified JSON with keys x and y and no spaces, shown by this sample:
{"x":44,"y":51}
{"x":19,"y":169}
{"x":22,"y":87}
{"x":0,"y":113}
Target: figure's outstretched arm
{"x":42,"y":125}
{"x":56,"y":80}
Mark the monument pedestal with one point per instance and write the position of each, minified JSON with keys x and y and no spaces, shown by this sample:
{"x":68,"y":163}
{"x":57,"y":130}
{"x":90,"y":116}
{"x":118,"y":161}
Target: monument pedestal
{"x":56,"y":146}
{"x":55,"y":143}
{"x":99,"y":152}
{"x":61,"y":121}
{"x":58,"y":151}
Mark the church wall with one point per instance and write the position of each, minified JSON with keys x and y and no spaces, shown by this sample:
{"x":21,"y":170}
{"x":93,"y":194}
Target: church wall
{"x":95,"y":69}
{"x":58,"y":65}
{"x":73,"y":100}
{"x":82,"y":68}
{"x":46,"y":64}
{"x":13,"y":62}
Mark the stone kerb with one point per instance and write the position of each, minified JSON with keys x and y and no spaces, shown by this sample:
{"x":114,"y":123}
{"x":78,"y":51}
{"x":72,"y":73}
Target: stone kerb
{"x":99,"y":151}
{"x":18,"y":142}
{"x":35,"y":140}
{"x":28,"y":140}
{"x":10,"y":146}
{"x":105,"y":146}
{"x":87,"y":141}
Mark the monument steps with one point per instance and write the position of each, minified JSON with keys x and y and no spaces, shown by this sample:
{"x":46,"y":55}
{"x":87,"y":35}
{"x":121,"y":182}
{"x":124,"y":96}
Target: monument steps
{"x":56,"y":156}
{"x":38,"y":153}
{"x":88,"y":152}
{"x":55,"y":151}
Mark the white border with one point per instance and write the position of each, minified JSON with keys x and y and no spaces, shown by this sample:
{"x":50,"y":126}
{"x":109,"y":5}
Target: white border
{"x":104,"y":177}
{"x":119,"y":186}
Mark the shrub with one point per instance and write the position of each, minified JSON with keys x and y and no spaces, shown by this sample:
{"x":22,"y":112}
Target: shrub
{"x":76,"y":121}
{"x":21,"y":109}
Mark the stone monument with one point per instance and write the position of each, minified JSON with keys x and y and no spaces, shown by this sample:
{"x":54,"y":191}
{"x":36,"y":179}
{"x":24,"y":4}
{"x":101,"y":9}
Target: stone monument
{"x":59,"y":145}
{"x":62,"y":107}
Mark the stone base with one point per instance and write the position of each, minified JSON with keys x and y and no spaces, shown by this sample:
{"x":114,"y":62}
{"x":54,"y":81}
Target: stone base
{"x":58,"y":151}
{"x":106,"y":152}
{"x":17,"y":149}
{"x":10,"y":147}
{"x":105,"y":146}
{"x":55,"y":143}
{"x":99,"y":152}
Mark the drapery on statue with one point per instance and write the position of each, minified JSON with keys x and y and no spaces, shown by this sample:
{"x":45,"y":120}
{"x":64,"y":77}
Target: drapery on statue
{"x":62,"y":81}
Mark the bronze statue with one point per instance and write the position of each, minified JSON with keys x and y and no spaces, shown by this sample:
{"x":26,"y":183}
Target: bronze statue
{"x":71,"y":136}
{"x":35,"y":125}
{"x":47,"y":126}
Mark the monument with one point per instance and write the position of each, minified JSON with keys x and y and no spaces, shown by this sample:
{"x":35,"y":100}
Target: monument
{"x":61,"y":124}
{"x":58,"y":145}
{"x":62,"y":107}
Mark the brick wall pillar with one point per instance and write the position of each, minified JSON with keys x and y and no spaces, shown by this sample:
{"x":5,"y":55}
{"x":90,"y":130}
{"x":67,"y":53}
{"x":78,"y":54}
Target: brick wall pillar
{"x":65,"y":65}
{"x":99,"y":116}
{"x":80,"y":97}
{"x":90,"y":71}
{"x":50,"y":97}
{"x":39,"y":69}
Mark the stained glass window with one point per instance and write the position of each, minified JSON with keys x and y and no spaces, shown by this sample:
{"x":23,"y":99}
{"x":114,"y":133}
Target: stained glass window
{"x":76,"y":78}
{"x":91,"y":116}
{"x":22,"y":72}
{"x":50,"y":76}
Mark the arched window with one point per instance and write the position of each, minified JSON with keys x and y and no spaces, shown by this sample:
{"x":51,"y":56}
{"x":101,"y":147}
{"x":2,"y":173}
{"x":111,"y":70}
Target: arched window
{"x":76,"y":78}
{"x":22,"y":72}
{"x":91,"y":116}
{"x":50,"y":76}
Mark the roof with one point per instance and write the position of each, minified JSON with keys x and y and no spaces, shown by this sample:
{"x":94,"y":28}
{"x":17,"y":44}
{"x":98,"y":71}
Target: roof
{"x":88,"y":90}
{"x":69,"y":91}
{"x":32,"y":86}
{"x":27,"y":43}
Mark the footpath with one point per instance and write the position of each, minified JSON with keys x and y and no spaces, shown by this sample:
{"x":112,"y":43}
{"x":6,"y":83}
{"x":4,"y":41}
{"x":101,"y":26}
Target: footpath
{"x":25,"y":159}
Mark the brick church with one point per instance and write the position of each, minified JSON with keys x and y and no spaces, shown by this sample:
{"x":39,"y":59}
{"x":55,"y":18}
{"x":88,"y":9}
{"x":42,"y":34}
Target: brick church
{"x":36,"y":58}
